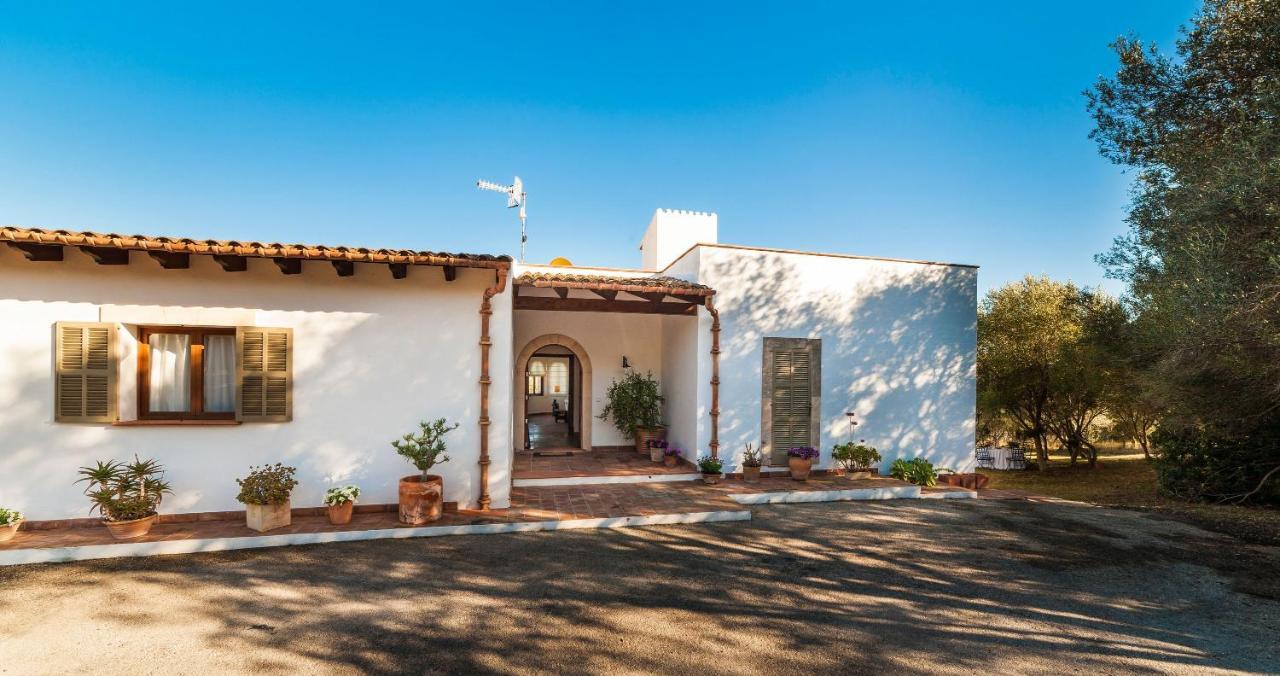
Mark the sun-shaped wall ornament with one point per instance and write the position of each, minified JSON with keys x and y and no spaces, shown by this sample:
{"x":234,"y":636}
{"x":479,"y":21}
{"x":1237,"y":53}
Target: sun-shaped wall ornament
{"x":561,"y":262}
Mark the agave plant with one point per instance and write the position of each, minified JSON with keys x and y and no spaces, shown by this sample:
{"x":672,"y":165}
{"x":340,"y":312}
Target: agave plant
{"x":124,"y":491}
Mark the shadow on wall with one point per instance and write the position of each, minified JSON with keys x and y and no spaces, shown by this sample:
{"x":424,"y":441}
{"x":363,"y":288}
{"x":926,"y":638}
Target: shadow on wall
{"x":898,"y":347}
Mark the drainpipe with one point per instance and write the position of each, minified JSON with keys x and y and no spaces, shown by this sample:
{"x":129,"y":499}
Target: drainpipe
{"x":486,"y":310}
{"x":715,"y":377}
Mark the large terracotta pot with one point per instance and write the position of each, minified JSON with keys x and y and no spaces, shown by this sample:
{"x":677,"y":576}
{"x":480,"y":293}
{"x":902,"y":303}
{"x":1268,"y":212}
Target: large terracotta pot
{"x":7,"y":532}
{"x":800,"y":468}
{"x":421,"y":501}
{"x":268,"y":517}
{"x":134,"y":528}
{"x":670,"y":460}
{"x":340,"y":515}
{"x":750,"y":474}
{"x":644,"y":434}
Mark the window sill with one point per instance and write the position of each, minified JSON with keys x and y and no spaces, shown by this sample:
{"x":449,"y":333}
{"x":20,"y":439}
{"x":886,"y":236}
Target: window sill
{"x":174,"y":423}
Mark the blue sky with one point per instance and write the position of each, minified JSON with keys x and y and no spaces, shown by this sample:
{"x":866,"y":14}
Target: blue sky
{"x":954,"y":131}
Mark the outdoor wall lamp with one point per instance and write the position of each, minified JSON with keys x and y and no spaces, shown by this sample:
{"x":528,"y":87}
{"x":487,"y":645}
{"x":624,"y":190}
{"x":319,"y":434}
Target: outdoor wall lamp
{"x":626,"y":363}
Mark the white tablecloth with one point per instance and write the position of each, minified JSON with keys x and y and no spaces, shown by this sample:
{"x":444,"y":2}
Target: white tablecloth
{"x":1000,"y":457}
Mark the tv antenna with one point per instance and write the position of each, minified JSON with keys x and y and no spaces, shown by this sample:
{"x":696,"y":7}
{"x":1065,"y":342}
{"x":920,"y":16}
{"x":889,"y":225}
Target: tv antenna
{"x":516,"y":197}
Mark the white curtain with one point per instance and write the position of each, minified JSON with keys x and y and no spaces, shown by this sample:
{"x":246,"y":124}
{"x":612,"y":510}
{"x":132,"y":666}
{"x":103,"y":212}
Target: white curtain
{"x":219,"y":374}
{"x":170,"y":372}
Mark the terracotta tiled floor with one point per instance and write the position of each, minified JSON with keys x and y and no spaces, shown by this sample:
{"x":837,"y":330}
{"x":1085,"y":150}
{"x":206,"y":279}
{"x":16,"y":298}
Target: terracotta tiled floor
{"x":593,"y":463}
{"x":772,"y":484}
{"x":528,"y":504}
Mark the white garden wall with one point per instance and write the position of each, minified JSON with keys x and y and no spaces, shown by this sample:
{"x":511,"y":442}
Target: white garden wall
{"x":372,"y":356}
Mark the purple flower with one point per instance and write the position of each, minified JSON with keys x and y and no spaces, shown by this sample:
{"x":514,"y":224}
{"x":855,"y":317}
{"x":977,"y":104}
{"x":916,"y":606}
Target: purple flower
{"x":803,"y":452}
{"x":657,"y":443}
{"x":670,"y":451}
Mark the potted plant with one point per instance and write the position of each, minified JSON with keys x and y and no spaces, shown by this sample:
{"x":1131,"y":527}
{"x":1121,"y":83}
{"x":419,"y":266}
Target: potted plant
{"x":635,"y":407}
{"x":10,"y":520}
{"x":422,"y":495}
{"x":916,"y":470}
{"x":752,"y":459}
{"x":710,"y":468}
{"x":265,"y":495}
{"x":800,"y":461}
{"x":858,"y":461}
{"x":671,"y":456}
{"x":341,"y":501}
{"x":126,"y":494}
{"x":656,"y":448}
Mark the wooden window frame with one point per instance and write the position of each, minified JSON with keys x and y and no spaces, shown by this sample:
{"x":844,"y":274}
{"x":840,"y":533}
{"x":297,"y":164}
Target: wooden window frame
{"x":197,"y":334}
{"x":770,"y":346}
{"x":540,"y":390}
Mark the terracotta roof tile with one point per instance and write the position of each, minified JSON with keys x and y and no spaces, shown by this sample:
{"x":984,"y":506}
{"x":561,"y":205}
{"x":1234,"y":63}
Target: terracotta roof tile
{"x":671,"y":285}
{"x":252,"y":249}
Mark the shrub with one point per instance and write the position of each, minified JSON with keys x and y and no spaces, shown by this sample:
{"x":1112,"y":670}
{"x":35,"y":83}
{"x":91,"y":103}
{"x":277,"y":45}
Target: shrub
{"x":339,"y":495}
{"x":857,"y":456}
{"x":804,"y":453}
{"x":916,"y":470}
{"x":710,"y":465}
{"x":267,"y":485}
{"x":8,"y":517}
{"x":124,"y":491}
{"x":1201,"y":464}
{"x":752,"y":457}
{"x":426,"y":448}
{"x":633,"y":402}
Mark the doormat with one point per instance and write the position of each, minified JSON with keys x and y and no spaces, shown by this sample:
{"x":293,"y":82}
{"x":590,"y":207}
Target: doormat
{"x":552,"y":454}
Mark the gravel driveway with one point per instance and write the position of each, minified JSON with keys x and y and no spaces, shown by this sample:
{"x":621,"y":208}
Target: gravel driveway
{"x":903,"y":586}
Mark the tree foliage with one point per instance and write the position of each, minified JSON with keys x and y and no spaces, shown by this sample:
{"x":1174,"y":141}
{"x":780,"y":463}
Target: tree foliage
{"x":1201,"y":127}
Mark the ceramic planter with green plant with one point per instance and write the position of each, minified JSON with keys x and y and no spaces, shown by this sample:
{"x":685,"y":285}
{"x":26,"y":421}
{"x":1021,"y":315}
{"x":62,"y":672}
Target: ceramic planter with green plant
{"x":126,"y":494}
{"x":10,"y":521}
{"x":710,"y":468}
{"x":800,"y":461}
{"x":265,"y":495}
{"x":858,"y":461}
{"x":916,"y":470}
{"x":422,"y":495}
{"x":752,"y":459}
{"x":341,"y":503}
{"x":634,"y":406}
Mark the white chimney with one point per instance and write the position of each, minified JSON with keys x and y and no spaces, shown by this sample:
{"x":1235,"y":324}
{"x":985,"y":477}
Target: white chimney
{"x":672,"y":232}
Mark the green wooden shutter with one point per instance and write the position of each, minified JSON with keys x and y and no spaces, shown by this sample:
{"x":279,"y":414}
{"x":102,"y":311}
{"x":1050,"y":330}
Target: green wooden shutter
{"x":264,"y":374}
{"x":84,"y":372}
{"x":792,"y":403}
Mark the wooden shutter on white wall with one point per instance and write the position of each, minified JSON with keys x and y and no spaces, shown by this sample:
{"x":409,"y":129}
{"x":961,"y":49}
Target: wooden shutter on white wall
{"x":792,"y":388}
{"x":264,"y":375}
{"x":84,"y":372}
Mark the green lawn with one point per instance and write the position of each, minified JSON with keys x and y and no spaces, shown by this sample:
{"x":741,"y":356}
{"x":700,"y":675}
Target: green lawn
{"x":1125,"y":479}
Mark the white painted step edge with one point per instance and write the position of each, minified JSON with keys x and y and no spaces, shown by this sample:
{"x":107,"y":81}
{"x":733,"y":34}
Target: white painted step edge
{"x":603,"y":479}
{"x":17,"y":557}
{"x":776,"y":497}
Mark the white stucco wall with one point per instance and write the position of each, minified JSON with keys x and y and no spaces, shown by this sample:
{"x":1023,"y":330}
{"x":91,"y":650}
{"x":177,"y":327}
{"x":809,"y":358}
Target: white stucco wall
{"x":898,"y":347}
{"x":372,"y":356}
{"x":606,"y":337}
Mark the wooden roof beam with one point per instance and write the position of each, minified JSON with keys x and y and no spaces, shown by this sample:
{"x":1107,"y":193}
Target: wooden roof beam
{"x":38,"y":252}
{"x":103,"y":255}
{"x":170,"y":260}
{"x":232,"y":263}
{"x":288,"y":266}
{"x":344,"y":268}
{"x":450,"y":272}
{"x":398,"y":270}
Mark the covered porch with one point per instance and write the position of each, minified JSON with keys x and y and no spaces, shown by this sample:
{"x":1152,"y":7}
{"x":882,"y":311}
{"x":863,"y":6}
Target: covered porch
{"x":574,"y":334}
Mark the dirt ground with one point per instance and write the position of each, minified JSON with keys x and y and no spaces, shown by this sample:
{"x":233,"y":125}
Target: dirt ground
{"x":901,"y":586}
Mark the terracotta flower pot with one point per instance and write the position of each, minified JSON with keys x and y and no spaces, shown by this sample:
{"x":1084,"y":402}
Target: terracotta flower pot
{"x":750,"y":474}
{"x":267,"y":517}
{"x":421,"y":501}
{"x":710,"y":479}
{"x":340,"y":515}
{"x":670,"y":460}
{"x":7,"y":532}
{"x":644,"y":434}
{"x":134,"y":528}
{"x":800,"y":468}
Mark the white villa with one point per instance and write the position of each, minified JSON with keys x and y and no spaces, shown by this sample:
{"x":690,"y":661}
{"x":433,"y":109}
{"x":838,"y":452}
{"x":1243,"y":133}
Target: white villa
{"x":211,"y":356}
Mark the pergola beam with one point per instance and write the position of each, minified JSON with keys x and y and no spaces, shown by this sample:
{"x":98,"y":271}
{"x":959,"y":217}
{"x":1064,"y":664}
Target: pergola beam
{"x":594,"y":305}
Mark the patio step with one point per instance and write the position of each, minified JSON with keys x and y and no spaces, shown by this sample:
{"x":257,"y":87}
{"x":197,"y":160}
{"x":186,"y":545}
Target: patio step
{"x":605,"y":479}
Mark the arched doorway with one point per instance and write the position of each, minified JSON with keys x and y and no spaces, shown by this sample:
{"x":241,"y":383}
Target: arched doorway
{"x":582,"y":412}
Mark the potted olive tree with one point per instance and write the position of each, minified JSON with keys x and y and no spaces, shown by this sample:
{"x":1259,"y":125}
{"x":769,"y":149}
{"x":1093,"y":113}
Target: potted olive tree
{"x":341,"y":501}
{"x":10,"y":521}
{"x":752,"y":459}
{"x":265,"y":495}
{"x":126,"y":494}
{"x":422,"y":495}
{"x":635,"y":407}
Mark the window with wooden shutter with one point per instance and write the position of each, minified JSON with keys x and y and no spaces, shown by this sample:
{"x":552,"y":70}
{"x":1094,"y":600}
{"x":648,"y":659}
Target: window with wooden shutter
{"x":264,"y":377}
{"x":84,"y":372}
{"x":791,"y":399}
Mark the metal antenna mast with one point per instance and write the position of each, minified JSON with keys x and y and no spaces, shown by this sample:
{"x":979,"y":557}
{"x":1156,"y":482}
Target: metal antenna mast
{"x":516,"y":197}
